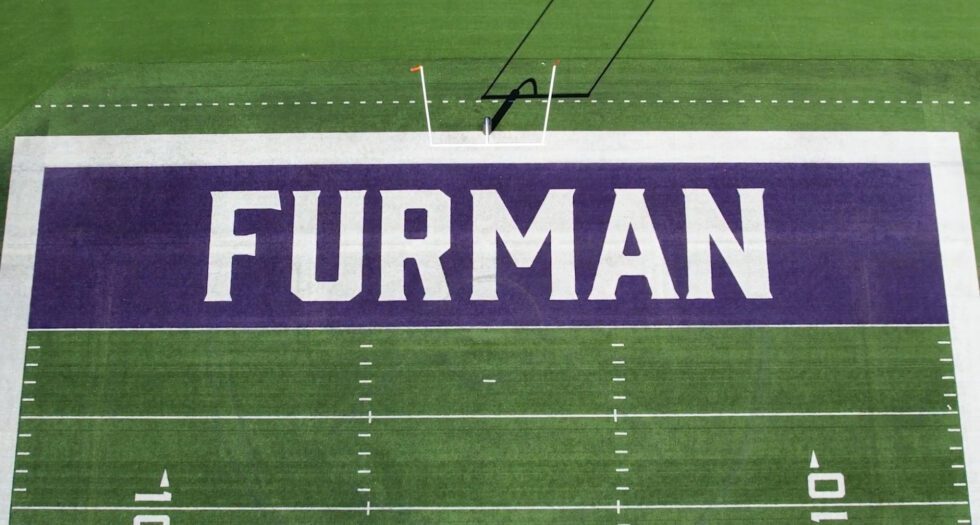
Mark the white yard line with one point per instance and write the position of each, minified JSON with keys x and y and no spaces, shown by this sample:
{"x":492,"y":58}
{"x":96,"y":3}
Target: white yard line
{"x":680,"y":506}
{"x":702,"y":415}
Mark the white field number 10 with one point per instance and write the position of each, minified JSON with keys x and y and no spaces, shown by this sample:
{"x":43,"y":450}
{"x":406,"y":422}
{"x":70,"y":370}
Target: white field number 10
{"x":164,"y":496}
{"x":825,"y":486}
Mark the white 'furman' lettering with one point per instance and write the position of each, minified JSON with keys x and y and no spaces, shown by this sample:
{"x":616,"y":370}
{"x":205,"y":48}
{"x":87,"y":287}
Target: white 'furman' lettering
{"x":553,"y":222}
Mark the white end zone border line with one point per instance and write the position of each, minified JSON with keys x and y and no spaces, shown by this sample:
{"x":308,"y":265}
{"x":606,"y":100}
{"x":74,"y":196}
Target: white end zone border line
{"x":940,"y":150}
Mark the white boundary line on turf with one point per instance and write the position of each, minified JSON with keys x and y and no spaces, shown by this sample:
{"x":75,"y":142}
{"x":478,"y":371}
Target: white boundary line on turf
{"x":704,"y":415}
{"x":716,"y":506}
{"x":941,"y":150}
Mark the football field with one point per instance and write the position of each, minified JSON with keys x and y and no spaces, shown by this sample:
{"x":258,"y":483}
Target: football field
{"x":670,"y":425}
{"x":730,"y":278}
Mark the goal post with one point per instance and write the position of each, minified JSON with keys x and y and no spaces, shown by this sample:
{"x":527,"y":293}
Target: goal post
{"x":487,"y":122}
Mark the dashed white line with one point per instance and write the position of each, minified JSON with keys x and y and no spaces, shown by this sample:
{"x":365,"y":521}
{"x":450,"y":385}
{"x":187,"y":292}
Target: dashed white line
{"x":34,"y":347}
{"x":622,"y":470}
{"x":364,"y":435}
{"x":617,"y":345}
{"x":490,"y":381}
{"x":367,"y":346}
{"x":365,"y":381}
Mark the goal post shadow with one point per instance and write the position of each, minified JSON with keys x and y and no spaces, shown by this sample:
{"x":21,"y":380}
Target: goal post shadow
{"x":588,"y":88}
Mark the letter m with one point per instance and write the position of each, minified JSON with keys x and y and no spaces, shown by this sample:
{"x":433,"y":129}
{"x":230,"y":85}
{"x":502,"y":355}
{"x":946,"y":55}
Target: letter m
{"x":554,"y":219}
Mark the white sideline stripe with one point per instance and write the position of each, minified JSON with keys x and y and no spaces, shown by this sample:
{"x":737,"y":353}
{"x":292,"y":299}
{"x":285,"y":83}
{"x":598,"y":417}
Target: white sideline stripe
{"x":498,"y":416}
{"x":20,"y":489}
{"x":21,"y":471}
{"x":942,"y":342}
{"x":678,"y":506}
{"x":946,"y":359}
{"x":34,"y":347}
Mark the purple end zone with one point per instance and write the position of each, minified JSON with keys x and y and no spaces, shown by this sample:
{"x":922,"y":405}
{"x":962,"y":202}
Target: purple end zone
{"x":128,"y":247}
